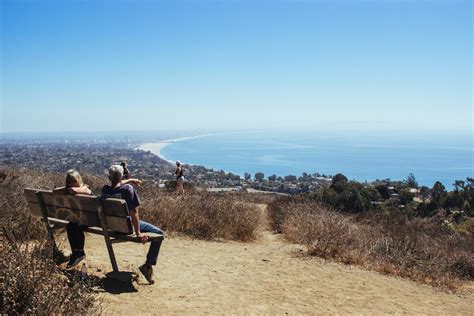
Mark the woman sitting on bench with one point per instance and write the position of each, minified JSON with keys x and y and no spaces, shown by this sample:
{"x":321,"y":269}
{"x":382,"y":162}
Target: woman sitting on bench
{"x":75,"y":234}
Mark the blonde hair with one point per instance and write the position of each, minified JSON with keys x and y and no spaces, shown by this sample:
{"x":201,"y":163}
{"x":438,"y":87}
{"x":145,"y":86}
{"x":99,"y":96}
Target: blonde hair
{"x":73,"y":179}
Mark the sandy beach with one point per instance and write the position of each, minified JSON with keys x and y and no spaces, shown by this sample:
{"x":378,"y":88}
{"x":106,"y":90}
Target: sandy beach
{"x":157,"y":147}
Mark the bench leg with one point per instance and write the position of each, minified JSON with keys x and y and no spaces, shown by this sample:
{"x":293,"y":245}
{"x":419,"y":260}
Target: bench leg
{"x":108,"y":242}
{"x":44,"y":211}
{"x":110,"y":249}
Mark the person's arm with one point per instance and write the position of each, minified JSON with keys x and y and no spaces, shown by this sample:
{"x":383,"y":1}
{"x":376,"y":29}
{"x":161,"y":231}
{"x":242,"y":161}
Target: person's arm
{"x":131,"y":181}
{"x":136,"y":226}
{"x":80,"y":190}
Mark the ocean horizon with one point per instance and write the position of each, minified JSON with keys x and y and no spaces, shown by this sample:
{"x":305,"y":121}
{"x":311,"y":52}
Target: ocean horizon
{"x":360,"y":156}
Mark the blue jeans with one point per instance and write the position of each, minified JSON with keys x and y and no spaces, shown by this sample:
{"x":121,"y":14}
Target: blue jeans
{"x":76,"y":238}
{"x":155,"y":246}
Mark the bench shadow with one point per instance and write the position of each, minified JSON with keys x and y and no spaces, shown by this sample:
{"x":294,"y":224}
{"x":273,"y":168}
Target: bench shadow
{"x":119,"y":282}
{"x":113,"y":282}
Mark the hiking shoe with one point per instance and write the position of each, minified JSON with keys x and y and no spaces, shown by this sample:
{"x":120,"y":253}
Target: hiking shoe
{"x":59,"y":257}
{"x":75,"y":258}
{"x":147,"y":272}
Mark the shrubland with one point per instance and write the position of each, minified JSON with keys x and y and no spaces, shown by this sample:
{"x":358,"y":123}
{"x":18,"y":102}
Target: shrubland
{"x":434,"y":250}
{"x":202,"y":215}
{"x":347,"y":222}
{"x":30,"y":281}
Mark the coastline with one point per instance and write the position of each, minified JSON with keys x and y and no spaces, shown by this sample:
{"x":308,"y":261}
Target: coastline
{"x":157,"y":147}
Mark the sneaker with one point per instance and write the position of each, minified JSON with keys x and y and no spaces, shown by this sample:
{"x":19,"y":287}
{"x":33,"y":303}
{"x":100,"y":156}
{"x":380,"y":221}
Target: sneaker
{"x":75,"y":258}
{"x":59,"y":257}
{"x":147,"y":272}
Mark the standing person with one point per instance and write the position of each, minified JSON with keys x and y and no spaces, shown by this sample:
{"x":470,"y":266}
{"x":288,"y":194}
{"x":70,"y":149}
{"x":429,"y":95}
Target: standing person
{"x":126,"y":172}
{"x":179,"y":178}
{"x":118,"y":189}
{"x":75,"y":233}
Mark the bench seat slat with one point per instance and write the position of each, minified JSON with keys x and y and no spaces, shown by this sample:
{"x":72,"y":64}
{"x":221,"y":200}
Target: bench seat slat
{"x":98,"y":231}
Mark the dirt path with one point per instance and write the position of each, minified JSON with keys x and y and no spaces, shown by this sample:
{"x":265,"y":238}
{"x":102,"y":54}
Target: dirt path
{"x":268,"y":276}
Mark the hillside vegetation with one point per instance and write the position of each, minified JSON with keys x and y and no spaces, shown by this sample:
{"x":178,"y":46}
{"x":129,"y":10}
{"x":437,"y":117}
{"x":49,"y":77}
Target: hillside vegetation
{"x":340,"y":223}
{"x":434,"y":249}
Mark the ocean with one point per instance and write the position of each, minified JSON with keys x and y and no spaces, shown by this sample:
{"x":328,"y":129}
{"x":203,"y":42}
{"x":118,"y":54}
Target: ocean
{"x":359,"y":156}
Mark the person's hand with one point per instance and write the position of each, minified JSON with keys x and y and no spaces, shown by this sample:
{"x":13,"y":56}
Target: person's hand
{"x":143,"y":238}
{"x":136,"y":182}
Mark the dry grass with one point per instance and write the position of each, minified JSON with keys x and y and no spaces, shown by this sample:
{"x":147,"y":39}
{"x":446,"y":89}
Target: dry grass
{"x":258,"y":198}
{"x":202,"y":215}
{"x":420,"y":249}
{"x":30,"y":282}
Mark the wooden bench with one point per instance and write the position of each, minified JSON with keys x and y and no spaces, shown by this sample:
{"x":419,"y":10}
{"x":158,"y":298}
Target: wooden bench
{"x":107,"y":217}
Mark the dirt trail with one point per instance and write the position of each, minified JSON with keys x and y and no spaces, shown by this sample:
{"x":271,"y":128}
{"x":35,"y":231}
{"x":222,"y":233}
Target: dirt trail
{"x":268,"y":276}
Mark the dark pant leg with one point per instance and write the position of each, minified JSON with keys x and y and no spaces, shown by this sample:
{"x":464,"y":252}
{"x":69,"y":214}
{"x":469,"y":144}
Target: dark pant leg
{"x":75,"y":235}
{"x":155,"y":246}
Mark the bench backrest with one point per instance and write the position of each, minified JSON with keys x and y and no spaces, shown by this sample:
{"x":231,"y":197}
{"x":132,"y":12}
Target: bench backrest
{"x":81,"y":209}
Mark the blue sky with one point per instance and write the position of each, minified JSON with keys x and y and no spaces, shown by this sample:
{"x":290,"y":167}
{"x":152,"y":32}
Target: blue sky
{"x":143,"y":65}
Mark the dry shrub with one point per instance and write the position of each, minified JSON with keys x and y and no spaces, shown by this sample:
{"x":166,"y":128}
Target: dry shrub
{"x":14,"y":209}
{"x":277,"y":211}
{"x":30,"y":283}
{"x":420,"y":249}
{"x":327,"y":234}
{"x":258,"y":198}
{"x":202,"y":215}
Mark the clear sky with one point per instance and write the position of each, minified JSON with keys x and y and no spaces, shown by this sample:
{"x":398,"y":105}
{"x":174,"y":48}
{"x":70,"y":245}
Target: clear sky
{"x":143,"y":65}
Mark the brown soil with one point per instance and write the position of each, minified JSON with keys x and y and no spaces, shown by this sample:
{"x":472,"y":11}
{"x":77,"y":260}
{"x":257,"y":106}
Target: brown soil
{"x":269,"y":276}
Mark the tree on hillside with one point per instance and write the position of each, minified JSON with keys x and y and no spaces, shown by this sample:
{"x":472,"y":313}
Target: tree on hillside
{"x":259,"y":176}
{"x":350,"y":197}
{"x":438,"y":193}
{"x":305,"y":177}
{"x":411,"y":181}
{"x":290,"y":178}
{"x":424,"y":193}
{"x":384,"y":191}
{"x":459,"y":185}
{"x":405,"y":197}
{"x":338,"y":183}
{"x":273,"y":177}
{"x":454,"y":200}
{"x":469,"y":197}
{"x":247,"y":176}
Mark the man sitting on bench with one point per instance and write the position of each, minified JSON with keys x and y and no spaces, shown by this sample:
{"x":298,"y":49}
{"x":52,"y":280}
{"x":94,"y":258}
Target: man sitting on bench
{"x":127,"y":192}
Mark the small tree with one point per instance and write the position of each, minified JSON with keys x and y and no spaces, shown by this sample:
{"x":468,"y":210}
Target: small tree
{"x":411,"y":181}
{"x":290,"y":178}
{"x":247,"y":176}
{"x":272,"y":177}
{"x":424,"y":193}
{"x":459,"y":185}
{"x":259,"y":176}
{"x":384,"y":191}
{"x":338,"y":183}
{"x":406,"y":197}
{"x":438,"y":193}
